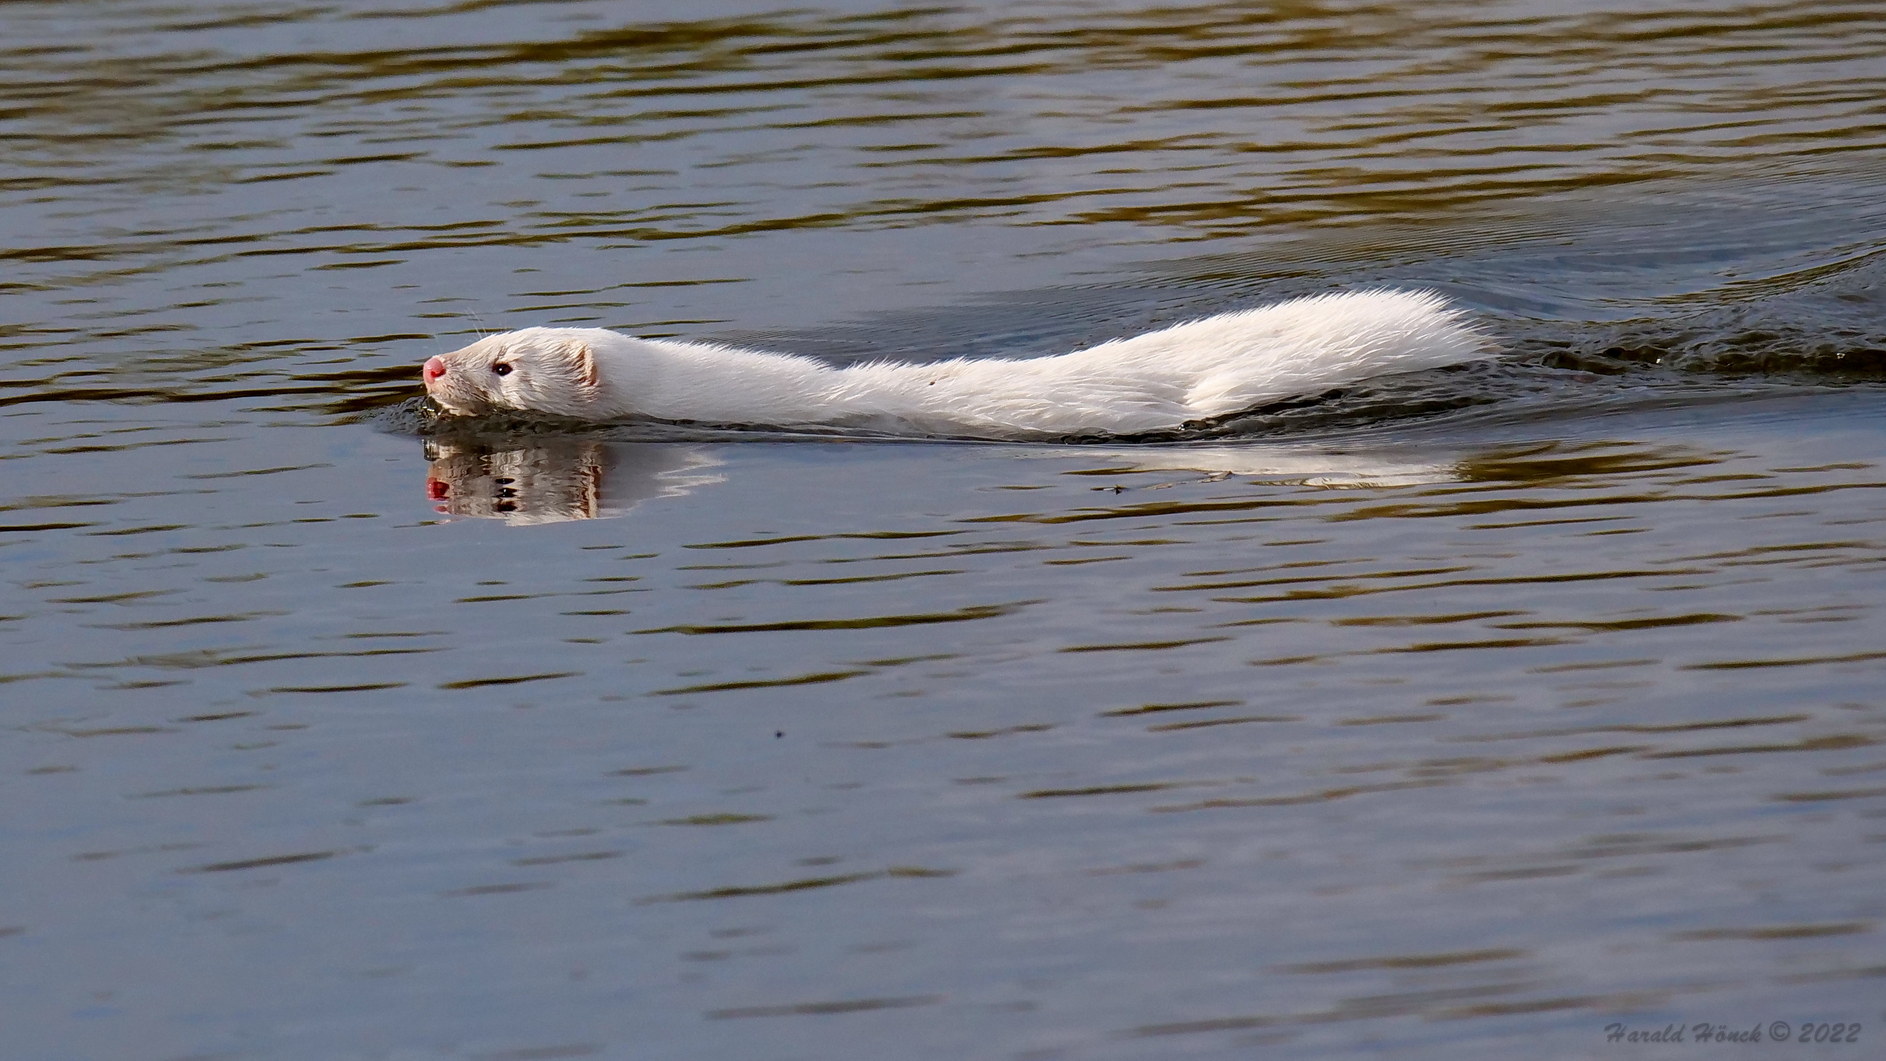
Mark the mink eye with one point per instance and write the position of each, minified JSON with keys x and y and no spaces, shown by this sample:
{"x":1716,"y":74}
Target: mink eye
{"x":502,"y":368}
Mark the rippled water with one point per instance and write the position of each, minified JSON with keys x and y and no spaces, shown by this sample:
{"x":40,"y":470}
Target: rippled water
{"x":1467,"y":714}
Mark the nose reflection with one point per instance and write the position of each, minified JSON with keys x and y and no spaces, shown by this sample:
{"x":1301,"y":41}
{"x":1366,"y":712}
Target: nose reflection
{"x":553,"y":480}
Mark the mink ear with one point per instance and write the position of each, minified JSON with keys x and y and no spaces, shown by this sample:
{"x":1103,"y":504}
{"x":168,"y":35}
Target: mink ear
{"x":584,"y":361}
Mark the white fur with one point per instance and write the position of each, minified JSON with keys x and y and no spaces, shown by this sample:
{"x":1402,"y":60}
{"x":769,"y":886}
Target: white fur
{"x":1158,"y":381}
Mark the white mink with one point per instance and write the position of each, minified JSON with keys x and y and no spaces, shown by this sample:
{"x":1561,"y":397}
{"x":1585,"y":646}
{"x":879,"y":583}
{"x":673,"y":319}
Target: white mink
{"x":1158,"y":381}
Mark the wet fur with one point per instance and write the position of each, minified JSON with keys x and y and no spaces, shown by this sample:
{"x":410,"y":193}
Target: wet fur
{"x":1162,"y":380}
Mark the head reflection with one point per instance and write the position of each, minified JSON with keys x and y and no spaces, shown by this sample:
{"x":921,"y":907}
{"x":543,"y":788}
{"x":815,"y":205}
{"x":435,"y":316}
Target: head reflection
{"x":553,"y":480}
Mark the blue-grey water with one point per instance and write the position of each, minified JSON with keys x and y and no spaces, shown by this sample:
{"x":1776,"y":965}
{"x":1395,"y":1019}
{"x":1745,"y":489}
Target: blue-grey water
{"x":1507,"y":711}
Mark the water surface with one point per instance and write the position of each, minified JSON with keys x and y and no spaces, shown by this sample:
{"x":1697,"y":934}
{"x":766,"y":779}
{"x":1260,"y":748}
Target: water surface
{"x":1463,"y":715}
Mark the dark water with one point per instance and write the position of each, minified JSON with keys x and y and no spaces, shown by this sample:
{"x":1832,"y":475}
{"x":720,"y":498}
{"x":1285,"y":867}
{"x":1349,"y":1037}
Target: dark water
{"x":1463,"y":715}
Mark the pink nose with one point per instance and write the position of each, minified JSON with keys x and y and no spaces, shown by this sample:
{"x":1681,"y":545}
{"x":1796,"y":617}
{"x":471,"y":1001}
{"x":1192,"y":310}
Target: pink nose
{"x":434,"y":369}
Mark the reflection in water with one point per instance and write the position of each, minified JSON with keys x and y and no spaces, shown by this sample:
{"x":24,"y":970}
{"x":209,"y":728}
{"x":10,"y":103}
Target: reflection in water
{"x":1308,"y":466}
{"x":552,"y":480}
